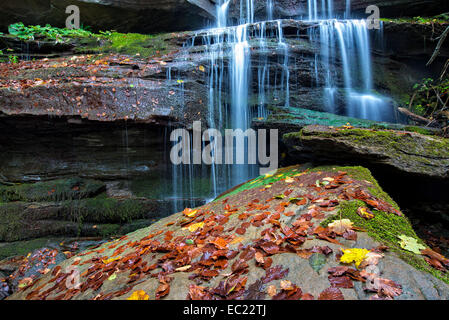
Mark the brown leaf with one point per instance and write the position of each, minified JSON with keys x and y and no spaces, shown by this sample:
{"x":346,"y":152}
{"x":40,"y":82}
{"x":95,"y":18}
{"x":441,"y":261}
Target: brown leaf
{"x":331,"y":294}
{"x":162,"y":290}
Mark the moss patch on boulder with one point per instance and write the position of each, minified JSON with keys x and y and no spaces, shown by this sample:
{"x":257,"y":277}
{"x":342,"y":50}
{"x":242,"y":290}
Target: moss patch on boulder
{"x":56,"y":190}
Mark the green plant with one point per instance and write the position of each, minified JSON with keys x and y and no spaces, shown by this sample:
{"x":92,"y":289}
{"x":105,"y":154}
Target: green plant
{"x":58,"y":34}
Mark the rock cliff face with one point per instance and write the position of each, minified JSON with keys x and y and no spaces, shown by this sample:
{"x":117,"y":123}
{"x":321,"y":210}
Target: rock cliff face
{"x":149,"y":16}
{"x":145,"y":16}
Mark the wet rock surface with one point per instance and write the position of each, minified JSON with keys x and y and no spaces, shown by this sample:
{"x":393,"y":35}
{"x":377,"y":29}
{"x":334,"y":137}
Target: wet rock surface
{"x":270,"y":238}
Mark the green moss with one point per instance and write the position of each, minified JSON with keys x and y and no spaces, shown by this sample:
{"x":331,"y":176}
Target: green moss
{"x":385,"y":228}
{"x":102,"y":209}
{"x":130,"y":44}
{"x":57,"y":190}
{"x":420,"y":130}
{"x":392,"y":142}
{"x":21,"y":248}
{"x":440,"y":19}
{"x":11,"y":221}
{"x":264,"y":180}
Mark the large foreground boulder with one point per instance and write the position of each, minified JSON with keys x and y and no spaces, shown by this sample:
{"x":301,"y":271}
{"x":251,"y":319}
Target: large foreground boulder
{"x":294,"y":234}
{"x":404,"y":151}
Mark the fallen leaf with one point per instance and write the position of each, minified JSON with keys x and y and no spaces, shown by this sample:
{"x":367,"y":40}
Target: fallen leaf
{"x":353,"y":255}
{"x":340,"y":226}
{"x":410,"y":244}
{"x":139,"y":295}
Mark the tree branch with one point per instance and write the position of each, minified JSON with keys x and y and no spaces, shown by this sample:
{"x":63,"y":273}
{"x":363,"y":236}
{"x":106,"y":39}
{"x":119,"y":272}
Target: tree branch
{"x":438,"y":48}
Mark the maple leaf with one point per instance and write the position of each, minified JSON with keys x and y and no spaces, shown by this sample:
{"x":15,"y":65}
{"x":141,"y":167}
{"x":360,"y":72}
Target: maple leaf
{"x":139,"y":295}
{"x":354,"y":255}
{"x":340,"y":226}
{"x":410,"y":244}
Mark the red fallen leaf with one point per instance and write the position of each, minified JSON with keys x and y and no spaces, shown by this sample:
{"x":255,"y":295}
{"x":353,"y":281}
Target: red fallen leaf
{"x":389,"y":287}
{"x":221,"y":219}
{"x":289,"y":214}
{"x":267,"y":264}
{"x":331,"y":294}
{"x":162,"y":290}
{"x":245,"y":225}
{"x":248,"y":254}
{"x":239,"y":265}
{"x":221,"y":263}
{"x":304,"y":253}
{"x":307,"y":296}
{"x":258,"y":224}
{"x":329,"y":203}
{"x":270,"y":247}
{"x":275,"y":216}
{"x":350,"y":235}
{"x":220,"y":243}
{"x":56,"y":271}
{"x":275,"y":273}
{"x":240,"y":231}
{"x":168,"y":235}
{"x":434,"y":255}
{"x":338,"y":271}
{"x":209,"y":273}
{"x":341,"y":282}
{"x":243,"y":216}
{"x":435,"y":263}
{"x":198,"y":293}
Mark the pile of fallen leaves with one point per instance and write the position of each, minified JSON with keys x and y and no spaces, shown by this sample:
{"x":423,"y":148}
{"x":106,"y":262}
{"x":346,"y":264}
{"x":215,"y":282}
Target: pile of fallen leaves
{"x":211,"y":244}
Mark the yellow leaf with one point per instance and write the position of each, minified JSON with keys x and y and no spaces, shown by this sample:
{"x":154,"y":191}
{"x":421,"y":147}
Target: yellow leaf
{"x":106,"y":261}
{"x":139,"y":295}
{"x":354,"y":255}
{"x":202,"y":69}
{"x":189,"y":212}
{"x":195,"y":226}
{"x":185,"y":268}
{"x":289,"y":180}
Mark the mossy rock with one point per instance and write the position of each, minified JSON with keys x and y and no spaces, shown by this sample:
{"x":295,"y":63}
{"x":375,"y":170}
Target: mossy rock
{"x":23,"y":220}
{"x":101,"y":209}
{"x":405,"y":151}
{"x":56,"y":190}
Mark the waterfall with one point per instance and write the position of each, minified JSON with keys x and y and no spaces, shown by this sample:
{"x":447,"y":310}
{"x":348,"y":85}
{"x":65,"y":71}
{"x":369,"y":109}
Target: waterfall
{"x":222,"y":13}
{"x":326,"y":9}
{"x":351,"y":39}
{"x":269,"y":10}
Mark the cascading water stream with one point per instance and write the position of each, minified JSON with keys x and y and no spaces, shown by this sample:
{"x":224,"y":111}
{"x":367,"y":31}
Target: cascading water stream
{"x":240,"y":89}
